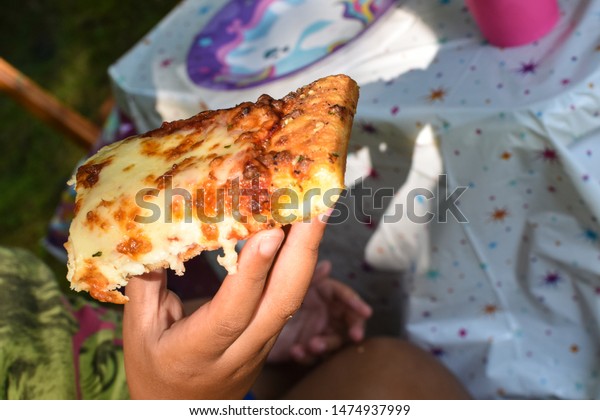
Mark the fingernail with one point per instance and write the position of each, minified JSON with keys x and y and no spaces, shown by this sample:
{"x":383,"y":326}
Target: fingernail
{"x":319,"y":345}
{"x":321,"y":268}
{"x":297,"y":352}
{"x":269,"y":245}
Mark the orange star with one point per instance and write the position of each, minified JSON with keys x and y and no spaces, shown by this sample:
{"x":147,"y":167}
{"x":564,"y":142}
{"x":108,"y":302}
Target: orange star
{"x":490,"y":309}
{"x":437,"y":95}
{"x":574,"y":348}
{"x":506,"y":155}
{"x":498,"y":215}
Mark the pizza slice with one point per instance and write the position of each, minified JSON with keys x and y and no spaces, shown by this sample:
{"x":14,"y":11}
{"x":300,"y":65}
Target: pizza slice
{"x":160,"y":198}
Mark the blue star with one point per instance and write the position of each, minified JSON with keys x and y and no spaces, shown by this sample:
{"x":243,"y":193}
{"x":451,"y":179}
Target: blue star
{"x":590,"y":235}
{"x":433,"y":274}
{"x":203,"y":10}
{"x":205,"y":41}
{"x":438,"y":351}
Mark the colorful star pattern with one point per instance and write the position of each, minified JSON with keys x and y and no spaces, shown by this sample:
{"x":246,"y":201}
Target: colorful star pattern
{"x":528,"y":67}
{"x":166,"y":62}
{"x":499,"y":214}
{"x":548,"y":155}
{"x":552,"y":278}
{"x":437,"y":95}
{"x":490,"y":309}
{"x":433,"y":274}
{"x":437,"y":351}
{"x":591,"y":235}
{"x":368,"y":127}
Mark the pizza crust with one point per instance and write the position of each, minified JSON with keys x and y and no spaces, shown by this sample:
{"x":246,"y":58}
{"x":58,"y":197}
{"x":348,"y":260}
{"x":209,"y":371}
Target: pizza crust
{"x":158,"y":199}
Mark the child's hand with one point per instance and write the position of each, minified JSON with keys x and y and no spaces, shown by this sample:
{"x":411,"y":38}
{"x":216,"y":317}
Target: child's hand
{"x":217,"y":351}
{"x":332,"y":314}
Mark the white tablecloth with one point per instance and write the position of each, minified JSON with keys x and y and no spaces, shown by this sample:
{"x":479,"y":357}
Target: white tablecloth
{"x":509,"y":300}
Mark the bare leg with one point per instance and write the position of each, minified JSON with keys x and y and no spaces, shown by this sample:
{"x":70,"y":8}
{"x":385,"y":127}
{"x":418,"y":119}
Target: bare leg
{"x":379,"y":368}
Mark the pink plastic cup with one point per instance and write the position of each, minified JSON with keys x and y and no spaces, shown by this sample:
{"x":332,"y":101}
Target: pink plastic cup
{"x":510,"y":23}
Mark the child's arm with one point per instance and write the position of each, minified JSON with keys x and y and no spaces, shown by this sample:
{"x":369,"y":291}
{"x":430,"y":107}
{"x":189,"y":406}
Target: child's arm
{"x":217,"y":351}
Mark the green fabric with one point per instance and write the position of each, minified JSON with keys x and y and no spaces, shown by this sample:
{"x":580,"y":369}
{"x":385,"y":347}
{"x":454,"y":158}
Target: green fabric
{"x":39,"y":331}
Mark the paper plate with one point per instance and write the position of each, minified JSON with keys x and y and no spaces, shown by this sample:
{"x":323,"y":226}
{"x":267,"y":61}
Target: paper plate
{"x":250,"y":42}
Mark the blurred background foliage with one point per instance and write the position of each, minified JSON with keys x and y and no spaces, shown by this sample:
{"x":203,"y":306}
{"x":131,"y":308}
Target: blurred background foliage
{"x":66,"y":46}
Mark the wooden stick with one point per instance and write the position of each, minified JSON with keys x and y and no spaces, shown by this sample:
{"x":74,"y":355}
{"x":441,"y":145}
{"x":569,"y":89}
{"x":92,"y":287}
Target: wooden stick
{"x":45,"y":107}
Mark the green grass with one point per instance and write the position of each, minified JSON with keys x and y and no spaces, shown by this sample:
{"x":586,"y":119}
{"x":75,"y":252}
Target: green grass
{"x":66,"y":47}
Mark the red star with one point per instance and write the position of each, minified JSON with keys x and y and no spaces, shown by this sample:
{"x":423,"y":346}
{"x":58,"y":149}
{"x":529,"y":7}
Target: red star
{"x":548,"y":155}
{"x":166,"y":62}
